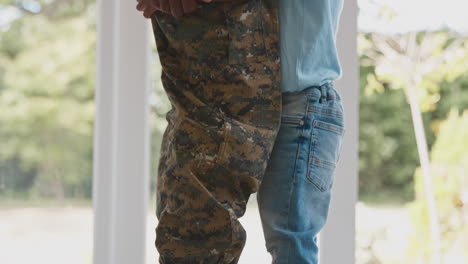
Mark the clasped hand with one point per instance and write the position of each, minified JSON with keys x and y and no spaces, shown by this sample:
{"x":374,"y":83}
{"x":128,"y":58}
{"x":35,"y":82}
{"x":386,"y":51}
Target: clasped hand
{"x":173,"y":7}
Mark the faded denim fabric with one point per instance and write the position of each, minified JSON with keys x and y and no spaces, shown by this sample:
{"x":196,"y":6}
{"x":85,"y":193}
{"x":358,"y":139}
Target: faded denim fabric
{"x":294,"y":196}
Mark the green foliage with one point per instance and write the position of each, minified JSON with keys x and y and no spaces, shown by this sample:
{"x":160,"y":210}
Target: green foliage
{"x":47,"y":90}
{"x":47,"y":79}
{"x":387,"y":147}
{"x":449,"y":172}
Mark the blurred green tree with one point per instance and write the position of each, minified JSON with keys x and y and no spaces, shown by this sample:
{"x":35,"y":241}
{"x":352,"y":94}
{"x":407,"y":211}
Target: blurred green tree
{"x":415,"y":63}
{"x":47,"y":64}
{"x":388,"y":154}
{"x":387,"y":148}
{"x":47,"y":90}
{"x":450,"y":174}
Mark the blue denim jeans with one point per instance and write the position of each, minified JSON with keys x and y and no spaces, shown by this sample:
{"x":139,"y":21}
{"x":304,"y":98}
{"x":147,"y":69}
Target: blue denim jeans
{"x":294,"y":197}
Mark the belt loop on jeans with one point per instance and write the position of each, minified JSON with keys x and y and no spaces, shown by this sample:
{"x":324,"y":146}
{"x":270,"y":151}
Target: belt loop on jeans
{"x":323,"y":91}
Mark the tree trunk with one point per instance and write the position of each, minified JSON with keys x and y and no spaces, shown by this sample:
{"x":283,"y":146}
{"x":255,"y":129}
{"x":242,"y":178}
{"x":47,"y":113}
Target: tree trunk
{"x":426,"y":170}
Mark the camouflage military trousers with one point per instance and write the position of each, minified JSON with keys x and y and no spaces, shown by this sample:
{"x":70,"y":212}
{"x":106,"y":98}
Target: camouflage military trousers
{"x":220,"y":70}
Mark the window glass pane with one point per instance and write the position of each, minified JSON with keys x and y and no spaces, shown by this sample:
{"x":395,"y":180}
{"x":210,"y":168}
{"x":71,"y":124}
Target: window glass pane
{"x":47,"y":77}
{"x":405,"y":213}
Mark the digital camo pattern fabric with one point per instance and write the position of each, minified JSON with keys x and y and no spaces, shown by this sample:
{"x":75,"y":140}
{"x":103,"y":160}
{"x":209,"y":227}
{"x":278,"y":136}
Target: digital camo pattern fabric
{"x":221,"y":73}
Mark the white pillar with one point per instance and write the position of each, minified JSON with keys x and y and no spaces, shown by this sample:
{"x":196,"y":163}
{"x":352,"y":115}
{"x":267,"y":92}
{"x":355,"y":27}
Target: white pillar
{"x":337,"y":240}
{"x":121,"y":136}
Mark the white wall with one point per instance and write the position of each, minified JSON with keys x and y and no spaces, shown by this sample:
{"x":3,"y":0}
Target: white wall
{"x":121,"y":138}
{"x":337,"y":240}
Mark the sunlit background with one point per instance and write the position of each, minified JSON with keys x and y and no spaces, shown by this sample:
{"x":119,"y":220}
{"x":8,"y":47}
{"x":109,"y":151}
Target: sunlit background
{"x":406,"y":213}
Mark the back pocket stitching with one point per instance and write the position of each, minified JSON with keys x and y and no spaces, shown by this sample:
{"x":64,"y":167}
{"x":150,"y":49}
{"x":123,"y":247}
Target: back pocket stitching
{"x":328,"y":126}
{"x":291,"y":120}
{"x":313,"y":161}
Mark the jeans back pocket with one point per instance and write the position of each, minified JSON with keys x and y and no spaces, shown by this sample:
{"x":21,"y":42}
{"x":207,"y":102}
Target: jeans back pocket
{"x":324,"y":153}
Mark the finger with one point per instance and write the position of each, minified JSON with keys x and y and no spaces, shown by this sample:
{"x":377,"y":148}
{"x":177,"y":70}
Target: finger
{"x":189,"y":5}
{"x":165,"y":6}
{"x":140,"y":6}
{"x":156,"y":4}
{"x":145,"y":14}
{"x":149,"y":12}
{"x":176,"y":8}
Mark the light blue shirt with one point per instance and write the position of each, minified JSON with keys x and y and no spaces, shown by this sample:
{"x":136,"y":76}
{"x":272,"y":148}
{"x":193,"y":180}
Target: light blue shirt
{"x":308,"y":31}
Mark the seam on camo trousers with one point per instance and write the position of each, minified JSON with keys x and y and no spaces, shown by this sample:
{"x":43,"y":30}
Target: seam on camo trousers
{"x":220,"y":70}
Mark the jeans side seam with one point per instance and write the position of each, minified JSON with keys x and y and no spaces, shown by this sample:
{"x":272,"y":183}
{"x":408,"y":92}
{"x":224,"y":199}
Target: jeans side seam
{"x":293,"y":184}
